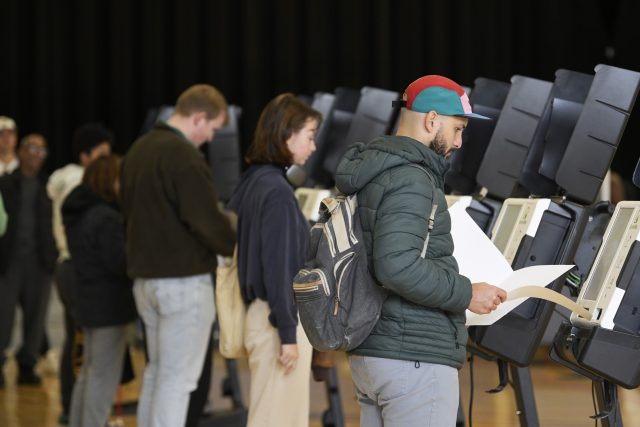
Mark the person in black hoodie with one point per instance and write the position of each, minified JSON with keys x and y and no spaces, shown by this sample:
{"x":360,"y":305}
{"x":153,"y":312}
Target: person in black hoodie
{"x":273,"y":238}
{"x":104,"y":300}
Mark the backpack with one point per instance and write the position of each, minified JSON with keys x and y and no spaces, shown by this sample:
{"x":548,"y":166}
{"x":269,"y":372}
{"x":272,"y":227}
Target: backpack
{"x":339,"y":301}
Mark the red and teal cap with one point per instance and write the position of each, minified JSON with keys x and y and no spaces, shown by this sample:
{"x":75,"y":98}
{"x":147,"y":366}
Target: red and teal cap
{"x":439,"y":94}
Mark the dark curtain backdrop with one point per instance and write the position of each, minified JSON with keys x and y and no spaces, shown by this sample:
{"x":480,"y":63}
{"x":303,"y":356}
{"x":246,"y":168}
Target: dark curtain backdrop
{"x":68,"y":62}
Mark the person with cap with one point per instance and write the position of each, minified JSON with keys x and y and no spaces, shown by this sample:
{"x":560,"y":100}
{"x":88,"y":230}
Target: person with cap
{"x":406,"y":371}
{"x":27,"y":256}
{"x":174,"y":230}
{"x":90,"y":141}
{"x":8,"y":139}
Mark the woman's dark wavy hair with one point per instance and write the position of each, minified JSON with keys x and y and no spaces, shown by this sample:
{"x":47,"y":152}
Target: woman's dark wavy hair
{"x":283,"y":116}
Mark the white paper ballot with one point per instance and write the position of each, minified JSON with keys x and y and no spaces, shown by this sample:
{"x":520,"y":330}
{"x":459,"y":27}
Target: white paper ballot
{"x":480,"y":261}
{"x":477,"y":256}
{"x":537,"y":275}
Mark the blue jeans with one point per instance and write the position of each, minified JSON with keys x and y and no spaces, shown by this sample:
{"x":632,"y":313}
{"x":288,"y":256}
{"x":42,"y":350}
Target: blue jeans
{"x":400,"y":393}
{"x":177,"y":314}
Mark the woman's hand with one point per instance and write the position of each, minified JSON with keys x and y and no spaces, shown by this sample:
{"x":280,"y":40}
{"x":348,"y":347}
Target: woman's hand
{"x":288,"y":357}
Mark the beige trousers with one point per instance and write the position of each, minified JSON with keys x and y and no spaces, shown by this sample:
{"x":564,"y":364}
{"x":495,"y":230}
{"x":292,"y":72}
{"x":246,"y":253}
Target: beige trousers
{"x":275,"y":399}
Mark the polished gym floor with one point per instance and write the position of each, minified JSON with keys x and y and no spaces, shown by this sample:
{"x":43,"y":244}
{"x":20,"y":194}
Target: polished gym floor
{"x":563,"y":398}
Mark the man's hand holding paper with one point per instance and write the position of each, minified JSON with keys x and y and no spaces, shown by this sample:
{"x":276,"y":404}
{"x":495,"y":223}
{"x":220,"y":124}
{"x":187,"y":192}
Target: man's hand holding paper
{"x":480,"y":261}
{"x":485,"y":298}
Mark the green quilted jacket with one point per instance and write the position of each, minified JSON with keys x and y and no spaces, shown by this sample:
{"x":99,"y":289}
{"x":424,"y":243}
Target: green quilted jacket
{"x":423,"y":318}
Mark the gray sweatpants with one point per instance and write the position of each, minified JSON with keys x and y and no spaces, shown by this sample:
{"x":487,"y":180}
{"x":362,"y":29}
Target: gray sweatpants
{"x":99,"y":376}
{"x":400,"y":393}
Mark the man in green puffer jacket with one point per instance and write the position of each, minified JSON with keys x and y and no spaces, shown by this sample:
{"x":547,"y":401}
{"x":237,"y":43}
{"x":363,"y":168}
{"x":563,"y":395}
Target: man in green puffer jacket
{"x":406,"y":371}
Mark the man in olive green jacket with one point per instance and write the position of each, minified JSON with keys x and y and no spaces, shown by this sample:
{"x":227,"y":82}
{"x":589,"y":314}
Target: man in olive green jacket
{"x":406,"y":371}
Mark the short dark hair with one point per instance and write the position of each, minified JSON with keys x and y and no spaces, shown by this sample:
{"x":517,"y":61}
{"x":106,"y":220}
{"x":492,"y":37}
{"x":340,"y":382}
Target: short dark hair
{"x":201,"y":98}
{"x":89,"y":136}
{"x":27,"y":138}
{"x":282,"y":117}
{"x":101,"y":176}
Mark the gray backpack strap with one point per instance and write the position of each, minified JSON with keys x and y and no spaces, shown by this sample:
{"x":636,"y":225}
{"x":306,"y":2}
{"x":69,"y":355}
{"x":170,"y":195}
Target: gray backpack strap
{"x":432,"y":215}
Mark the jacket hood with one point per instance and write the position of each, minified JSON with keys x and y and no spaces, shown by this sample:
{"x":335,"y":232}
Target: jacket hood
{"x":80,"y":200}
{"x":363,"y":162}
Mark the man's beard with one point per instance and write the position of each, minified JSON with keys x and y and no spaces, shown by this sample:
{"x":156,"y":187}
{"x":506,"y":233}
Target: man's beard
{"x":439,"y":146}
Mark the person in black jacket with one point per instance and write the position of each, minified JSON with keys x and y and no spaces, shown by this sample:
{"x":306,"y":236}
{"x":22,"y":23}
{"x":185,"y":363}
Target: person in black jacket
{"x":90,"y":141}
{"x":104,"y":300}
{"x":273,"y":237}
{"x":27,"y":256}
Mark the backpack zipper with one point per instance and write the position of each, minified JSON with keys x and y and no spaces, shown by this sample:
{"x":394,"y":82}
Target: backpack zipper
{"x":337,"y":298}
{"x":323,"y":278}
{"x":306,"y":287}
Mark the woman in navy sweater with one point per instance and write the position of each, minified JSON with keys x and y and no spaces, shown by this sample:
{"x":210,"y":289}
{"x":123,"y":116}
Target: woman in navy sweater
{"x":104,"y":299}
{"x":272,"y":243}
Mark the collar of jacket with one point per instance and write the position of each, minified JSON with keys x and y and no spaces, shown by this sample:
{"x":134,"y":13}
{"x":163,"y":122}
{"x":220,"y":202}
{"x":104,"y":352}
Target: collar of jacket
{"x":430,"y":158}
{"x":160,"y":125}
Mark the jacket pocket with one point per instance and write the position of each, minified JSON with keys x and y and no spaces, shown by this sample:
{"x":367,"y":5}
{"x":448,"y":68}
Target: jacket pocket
{"x":454,"y":330}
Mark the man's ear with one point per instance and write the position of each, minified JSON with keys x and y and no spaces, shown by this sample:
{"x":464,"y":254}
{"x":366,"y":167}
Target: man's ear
{"x":198,"y":117}
{"x":430,"y":121}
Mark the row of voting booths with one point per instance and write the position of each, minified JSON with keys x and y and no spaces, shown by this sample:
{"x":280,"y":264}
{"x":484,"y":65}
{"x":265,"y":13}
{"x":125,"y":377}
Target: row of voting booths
{"x":543,"y":165}
{"x":530,"y":179}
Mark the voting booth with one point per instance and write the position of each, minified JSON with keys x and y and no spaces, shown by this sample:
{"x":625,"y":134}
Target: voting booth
{"x":528,"y":231}
{"x":324,"y":103}
{"x":487,"y":98}
{"x":529,"y":157}
{"x":609,"y":293}
{"x":337,"y":112}
{"x":224,"y":156}
{"x":606,"y":348}
{"x":371,"y":118}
